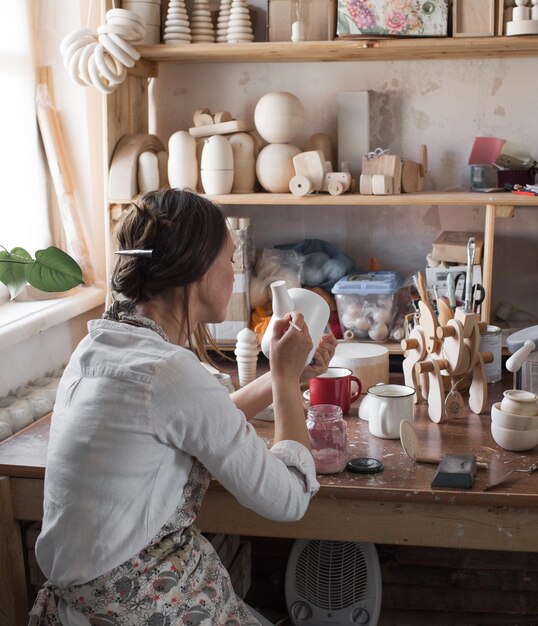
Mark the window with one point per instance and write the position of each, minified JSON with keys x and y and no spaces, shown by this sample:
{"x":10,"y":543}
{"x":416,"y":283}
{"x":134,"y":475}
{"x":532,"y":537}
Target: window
{"x":24,"y":215}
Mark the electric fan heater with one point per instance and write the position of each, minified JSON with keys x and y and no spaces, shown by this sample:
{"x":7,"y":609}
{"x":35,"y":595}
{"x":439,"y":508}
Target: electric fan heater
{"x":333,"y":582}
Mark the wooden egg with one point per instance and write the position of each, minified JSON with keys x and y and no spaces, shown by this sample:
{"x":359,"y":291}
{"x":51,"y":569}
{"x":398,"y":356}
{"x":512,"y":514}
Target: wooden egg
{"x":243,"y":148}
{"x":148,"y":172}
{"x":274,"y":167}
{"x":217,"y":162}
{"x":279,"y":117}
{"x":378,"y":333}
{"x":382,"y":316}
{"x":182,"y":161}
{"x":363,"y":323}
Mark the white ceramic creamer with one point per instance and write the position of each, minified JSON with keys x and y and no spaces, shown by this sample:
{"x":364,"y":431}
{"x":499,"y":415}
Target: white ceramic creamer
{"x":314,"y":308}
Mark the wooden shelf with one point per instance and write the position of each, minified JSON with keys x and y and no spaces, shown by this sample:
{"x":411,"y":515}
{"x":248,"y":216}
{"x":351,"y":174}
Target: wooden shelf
{"x":398,"y":49}
{"x":425,"y":198}
{"x":393,"y":347}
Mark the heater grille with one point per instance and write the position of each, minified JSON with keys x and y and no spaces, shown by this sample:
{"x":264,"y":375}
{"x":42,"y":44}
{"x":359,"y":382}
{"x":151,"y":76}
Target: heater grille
{"x":332,"y":575}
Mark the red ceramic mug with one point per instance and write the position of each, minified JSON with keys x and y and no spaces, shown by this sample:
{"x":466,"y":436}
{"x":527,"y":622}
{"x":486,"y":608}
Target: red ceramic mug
{"x":334,"y":387}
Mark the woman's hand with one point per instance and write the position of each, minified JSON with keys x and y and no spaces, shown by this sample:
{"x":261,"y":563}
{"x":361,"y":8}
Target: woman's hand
{"x":290,"y":345}
{"x":322,"y":357}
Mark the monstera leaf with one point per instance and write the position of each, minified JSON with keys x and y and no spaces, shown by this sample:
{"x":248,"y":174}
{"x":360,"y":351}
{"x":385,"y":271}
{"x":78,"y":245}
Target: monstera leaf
{"x":51,"y":270}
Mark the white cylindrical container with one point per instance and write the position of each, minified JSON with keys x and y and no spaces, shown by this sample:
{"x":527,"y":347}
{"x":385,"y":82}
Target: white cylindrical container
{"x":491,"y":341}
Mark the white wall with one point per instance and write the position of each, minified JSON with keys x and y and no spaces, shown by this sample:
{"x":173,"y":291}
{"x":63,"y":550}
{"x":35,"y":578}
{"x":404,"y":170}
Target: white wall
{"x":442,"y":103}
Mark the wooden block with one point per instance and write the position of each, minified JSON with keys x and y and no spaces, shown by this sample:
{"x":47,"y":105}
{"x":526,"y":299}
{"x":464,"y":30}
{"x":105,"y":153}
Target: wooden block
{"x":353,"y":129}
{"x":473,"y":19}
{"x":370,"y":165}
{"x":451,"y":246}
{"x":391,"y":165}
{"x":122,"y":177}
{"x":318,"y":16}
{"x":412,"y":178}
{"x":224,"y":128}
{"x":312,"y":165}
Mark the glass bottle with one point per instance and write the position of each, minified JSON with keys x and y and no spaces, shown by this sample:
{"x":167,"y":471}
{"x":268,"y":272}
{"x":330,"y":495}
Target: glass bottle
{"x":327,"y":430}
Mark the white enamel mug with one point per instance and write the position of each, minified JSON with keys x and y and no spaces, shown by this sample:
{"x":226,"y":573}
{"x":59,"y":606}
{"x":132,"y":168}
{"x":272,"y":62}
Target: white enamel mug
{"x":387,"y":405}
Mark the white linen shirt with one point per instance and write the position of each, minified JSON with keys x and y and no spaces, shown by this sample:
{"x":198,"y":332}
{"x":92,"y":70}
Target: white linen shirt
{"x":132,"y":412}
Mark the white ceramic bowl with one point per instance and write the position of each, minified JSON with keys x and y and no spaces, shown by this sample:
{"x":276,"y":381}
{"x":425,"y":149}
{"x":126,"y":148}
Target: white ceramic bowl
{"x":519,"y":402}
{"x":514,"y":440}
{"x":512,"y":421}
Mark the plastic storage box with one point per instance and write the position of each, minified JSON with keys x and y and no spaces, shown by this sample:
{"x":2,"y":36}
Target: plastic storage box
{"x":365,"y":304}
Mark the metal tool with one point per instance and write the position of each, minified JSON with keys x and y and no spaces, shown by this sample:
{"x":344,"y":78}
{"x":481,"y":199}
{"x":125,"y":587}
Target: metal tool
{"x":529,"y":470}
{"x":451,"y":289}
{"x":478,"y":293}
{"x":468,"y":304}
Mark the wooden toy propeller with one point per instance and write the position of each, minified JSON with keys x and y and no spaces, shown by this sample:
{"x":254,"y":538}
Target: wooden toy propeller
{"x":411,"y":446}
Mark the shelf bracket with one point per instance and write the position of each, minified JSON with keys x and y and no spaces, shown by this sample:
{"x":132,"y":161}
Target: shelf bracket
{"x":504,"y":210}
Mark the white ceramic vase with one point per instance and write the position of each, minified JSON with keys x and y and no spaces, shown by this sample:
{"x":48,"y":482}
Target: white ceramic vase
{"x":314,"y":308}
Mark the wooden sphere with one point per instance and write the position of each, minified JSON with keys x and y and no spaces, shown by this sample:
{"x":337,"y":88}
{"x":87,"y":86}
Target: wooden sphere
{"x":274,"y":166}
{"x":279,"y":117}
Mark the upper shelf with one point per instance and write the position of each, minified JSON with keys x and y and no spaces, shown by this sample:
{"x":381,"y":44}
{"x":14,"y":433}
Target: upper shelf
{"x":398,"y":49}
{"x":425,"y":198}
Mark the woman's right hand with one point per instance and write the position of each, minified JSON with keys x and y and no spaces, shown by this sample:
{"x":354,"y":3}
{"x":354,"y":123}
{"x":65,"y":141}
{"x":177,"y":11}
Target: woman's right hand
{"x":289,"y":347}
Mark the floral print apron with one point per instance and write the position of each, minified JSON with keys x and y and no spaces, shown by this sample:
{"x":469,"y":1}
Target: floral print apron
{"x":177,"y":579}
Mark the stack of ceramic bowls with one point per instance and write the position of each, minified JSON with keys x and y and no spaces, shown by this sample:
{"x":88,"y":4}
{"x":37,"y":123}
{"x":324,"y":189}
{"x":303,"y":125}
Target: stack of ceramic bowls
{"x":514,"y":421}
{"x":150,"y":13}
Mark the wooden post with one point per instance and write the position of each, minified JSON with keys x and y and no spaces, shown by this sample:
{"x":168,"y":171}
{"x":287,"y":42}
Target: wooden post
{"x":13,"y":596}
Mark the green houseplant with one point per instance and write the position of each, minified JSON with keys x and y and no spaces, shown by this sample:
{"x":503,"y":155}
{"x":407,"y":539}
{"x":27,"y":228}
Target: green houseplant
{"x":51,"y":270}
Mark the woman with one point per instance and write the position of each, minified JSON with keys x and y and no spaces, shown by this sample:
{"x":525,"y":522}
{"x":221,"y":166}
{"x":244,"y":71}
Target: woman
{"x":139,"y":425}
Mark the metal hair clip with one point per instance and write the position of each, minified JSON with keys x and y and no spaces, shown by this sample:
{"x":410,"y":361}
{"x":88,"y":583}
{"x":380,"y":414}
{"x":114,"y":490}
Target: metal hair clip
{"x":144,"y":254}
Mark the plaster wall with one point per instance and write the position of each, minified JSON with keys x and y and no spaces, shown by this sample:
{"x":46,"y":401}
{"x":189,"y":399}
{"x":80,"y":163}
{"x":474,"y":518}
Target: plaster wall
{"x":442,"y":103}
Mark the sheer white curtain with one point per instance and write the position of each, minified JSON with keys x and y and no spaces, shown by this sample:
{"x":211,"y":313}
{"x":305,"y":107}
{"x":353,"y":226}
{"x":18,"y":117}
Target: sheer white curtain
{"x":24,"y":215}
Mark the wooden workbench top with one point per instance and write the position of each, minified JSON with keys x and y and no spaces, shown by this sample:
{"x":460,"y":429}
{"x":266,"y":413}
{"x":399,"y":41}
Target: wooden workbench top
{"x":402,"y":479}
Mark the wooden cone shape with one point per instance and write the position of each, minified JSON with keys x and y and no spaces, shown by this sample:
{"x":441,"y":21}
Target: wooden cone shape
{"x":222,"y":21}
{"x":239,"y":25}
{"x":201,"y":25}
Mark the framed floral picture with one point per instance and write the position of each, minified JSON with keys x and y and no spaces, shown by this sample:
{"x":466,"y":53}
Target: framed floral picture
{"x":404,"y":18}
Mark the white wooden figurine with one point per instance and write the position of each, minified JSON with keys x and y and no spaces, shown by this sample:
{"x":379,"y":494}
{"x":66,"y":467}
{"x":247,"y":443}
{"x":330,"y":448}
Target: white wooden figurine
{"x":177,"y":26}
{"x":201,"y":25}
{"x":239,"y":24}
{"x":222,"y":21}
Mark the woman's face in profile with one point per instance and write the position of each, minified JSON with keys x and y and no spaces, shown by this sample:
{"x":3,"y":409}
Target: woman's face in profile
{"x":215,"y":288}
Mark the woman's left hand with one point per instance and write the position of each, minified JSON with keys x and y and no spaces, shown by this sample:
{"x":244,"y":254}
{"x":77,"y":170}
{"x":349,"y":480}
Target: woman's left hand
{"x":322,"y":356}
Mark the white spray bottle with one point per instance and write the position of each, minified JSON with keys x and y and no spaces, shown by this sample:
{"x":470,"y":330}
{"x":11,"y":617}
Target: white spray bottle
{"x":314,"y":308}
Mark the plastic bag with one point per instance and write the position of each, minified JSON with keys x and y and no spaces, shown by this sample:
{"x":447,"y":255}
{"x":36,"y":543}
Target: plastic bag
{"x":323,"y":262}
{"x":274,"y":265}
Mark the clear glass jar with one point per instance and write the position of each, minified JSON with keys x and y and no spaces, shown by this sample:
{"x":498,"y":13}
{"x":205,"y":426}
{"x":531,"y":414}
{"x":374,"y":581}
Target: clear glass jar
{"x":327,"y":430}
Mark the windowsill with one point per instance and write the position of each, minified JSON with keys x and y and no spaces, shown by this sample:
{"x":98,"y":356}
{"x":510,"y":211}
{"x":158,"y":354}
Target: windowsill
{"x":22,"y":320}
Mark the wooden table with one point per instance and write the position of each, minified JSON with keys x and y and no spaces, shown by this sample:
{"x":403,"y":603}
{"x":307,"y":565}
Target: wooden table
{"x":396,"y":506}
